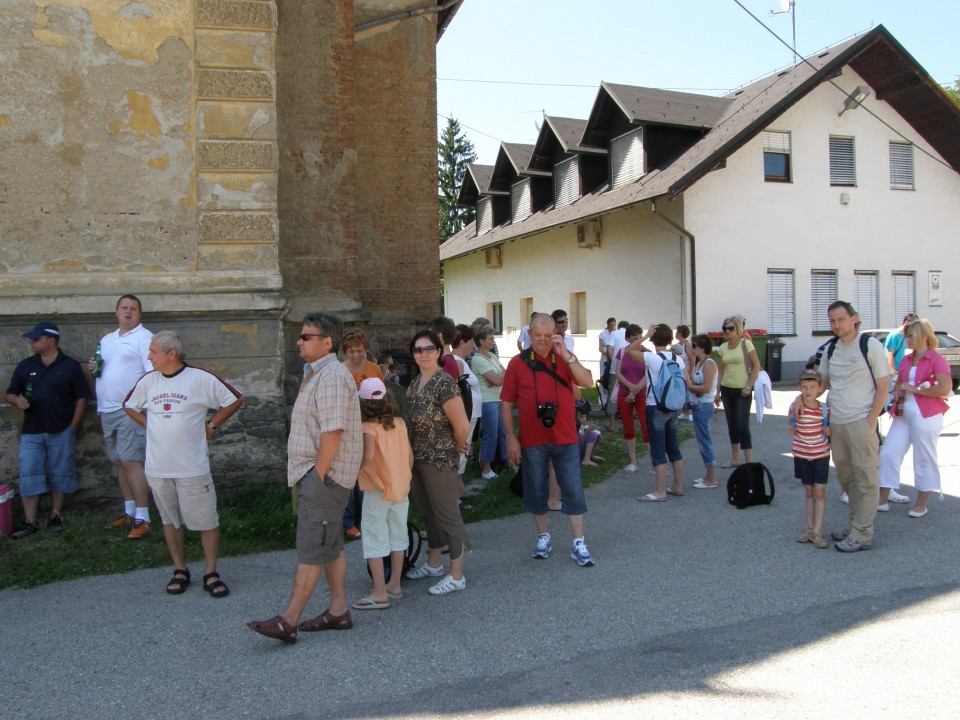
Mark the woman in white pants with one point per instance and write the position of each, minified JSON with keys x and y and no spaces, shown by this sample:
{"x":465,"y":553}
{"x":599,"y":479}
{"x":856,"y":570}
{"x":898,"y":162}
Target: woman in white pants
{"x":923,"y":381}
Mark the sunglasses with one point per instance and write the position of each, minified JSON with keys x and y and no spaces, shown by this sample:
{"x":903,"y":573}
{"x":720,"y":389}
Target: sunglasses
{"x":305,"y":337}
{"x":728,"y":328}
{"x":420,"y":349}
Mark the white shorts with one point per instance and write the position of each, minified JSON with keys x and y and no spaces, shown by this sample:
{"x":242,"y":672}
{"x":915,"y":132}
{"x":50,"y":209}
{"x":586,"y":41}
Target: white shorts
{"x":384,"y":525}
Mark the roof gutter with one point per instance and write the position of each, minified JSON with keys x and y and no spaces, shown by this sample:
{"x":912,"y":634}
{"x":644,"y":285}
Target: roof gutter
{"x":362,"y":27}
{"x":693,"y":259}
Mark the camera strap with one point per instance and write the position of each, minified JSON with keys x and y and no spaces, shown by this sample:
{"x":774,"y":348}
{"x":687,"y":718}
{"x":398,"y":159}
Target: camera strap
{"x":537,"y":365}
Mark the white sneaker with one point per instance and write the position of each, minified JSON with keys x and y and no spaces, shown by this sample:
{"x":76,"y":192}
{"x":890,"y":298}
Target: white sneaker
{"x":424,"y":571}
{"x":896,"y":497}
{"x":845,"y":499}
{"x":448,"y":585}
{"x":489,"y":476}
{"x":883,"y":508}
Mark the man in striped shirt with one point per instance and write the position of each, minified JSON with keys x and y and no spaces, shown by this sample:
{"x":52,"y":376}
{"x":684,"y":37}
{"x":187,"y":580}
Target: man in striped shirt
{"x":810,"y":429}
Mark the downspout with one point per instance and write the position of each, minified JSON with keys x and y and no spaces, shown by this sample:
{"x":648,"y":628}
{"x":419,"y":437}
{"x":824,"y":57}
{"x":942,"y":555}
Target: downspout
{"x":693,"y":260}
{"x":403,"y":15}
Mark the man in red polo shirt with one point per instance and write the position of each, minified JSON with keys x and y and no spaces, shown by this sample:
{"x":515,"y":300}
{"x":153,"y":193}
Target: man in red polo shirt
{"x":541,"y":380}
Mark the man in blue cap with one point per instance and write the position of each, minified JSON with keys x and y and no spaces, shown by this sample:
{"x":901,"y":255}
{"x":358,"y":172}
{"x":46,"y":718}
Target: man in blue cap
{"x":51,"y":389}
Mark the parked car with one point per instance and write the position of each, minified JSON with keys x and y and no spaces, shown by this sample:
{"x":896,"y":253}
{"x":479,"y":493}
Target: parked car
{"x":949,"y":348}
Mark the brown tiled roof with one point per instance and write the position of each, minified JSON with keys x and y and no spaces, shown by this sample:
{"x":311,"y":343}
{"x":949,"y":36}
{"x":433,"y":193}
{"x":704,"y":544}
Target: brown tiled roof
{"x":875,"y":55}
{"x":476,"y":182}
{"x":667,"y":107}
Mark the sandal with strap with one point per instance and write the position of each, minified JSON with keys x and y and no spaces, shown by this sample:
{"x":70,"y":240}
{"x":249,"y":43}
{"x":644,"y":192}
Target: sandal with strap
{"x":218,"y":588}
{"x":178,"y":583}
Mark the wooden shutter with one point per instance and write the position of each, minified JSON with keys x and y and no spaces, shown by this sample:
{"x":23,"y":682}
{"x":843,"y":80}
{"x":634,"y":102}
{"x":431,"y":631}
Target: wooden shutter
{"x":566,"y":182}
{"x":781,"y":317}
{"x":843,"y":167}
{"x":823,"y":291}
{"x":626,"y":158}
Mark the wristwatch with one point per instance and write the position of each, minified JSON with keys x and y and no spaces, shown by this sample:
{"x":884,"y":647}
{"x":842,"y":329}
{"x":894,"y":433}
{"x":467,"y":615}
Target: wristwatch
{"x":211,"y":425}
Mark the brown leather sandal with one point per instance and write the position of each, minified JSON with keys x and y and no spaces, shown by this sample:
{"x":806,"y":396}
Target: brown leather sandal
{"x":275,"y":627}
{"x":326,"y":621}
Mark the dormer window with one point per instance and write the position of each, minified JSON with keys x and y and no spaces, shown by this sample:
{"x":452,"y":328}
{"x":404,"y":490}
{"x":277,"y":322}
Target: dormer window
{"x":566,"y":182}
{"x":626,"y":158}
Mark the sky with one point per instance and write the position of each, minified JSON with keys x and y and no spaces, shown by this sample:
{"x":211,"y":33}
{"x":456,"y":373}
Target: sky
{"x":515,"y":53}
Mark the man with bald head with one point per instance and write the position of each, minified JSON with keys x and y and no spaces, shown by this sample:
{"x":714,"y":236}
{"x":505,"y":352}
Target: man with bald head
{"x":542,"y":380}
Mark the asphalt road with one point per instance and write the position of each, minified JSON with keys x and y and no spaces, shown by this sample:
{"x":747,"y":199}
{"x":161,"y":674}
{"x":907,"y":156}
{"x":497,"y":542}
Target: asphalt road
{"x":693,"y":609}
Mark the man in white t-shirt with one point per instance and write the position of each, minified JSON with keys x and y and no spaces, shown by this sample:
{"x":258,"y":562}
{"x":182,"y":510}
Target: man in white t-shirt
{"x":176,"y":398}
{"x":123,"y":361}
{"x":605,"y":348}
{"x":523,"y":340}
{"x":562,"y":322}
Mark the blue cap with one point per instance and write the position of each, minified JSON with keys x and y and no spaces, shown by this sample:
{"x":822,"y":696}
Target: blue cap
{"x":43,"y":328}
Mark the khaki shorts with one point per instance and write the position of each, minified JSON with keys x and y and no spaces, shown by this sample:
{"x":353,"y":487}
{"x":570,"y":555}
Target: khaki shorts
{"x":123,"y":437}
{"x":320,"y":504}
{"x":190,"y":501}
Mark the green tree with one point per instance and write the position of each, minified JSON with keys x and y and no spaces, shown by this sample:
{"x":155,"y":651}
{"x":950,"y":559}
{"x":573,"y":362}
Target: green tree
{"x":454,"y":153}
{"x":954,"y":91}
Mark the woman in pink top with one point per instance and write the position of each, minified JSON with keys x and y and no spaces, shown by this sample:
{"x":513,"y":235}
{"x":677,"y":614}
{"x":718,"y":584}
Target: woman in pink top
{"x":923,"y":382}
{"x":632,"y":395}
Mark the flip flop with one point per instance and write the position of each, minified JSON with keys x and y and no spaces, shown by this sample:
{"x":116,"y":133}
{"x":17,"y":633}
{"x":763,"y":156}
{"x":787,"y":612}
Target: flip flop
{"x":728,"y":466}
{"x":650,"y":497}
{"x":700,"y":485}
{"x":395,"y":596}
{"x":674,"y":493}
{"x":368,"y":604}
{"x":630,"y":468}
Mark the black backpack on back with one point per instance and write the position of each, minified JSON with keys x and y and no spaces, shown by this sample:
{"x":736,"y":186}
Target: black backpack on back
{"x":748,"y":485}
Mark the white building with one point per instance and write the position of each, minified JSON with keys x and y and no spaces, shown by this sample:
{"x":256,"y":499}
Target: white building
{"x":834,"y":179}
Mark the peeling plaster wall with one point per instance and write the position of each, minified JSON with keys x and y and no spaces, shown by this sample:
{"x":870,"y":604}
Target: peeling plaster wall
{"x":98,"y":146}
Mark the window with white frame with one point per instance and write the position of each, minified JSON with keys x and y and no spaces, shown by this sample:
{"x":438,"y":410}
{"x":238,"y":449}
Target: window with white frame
{"x":520,"y":200}
{"x":484,"y":215}
{"x":776,"y":156}
{"x":578,"y":314}
{"x":495,"y":313}
{"x":566,"y":182}
{"x":865,"y":297}
{"x":901,"y":166}
{"x":843,"y":164}
{"x":781,"y":297}
{"x":626,"y":158}
{"x":904,"y":295}
{"x":823,"y":292}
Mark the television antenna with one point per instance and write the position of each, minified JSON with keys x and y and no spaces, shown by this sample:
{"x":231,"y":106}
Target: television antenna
{"x":789,"y":6}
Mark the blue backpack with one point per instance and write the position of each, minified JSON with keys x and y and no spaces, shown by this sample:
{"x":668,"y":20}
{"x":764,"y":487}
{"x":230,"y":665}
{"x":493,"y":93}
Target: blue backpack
{"x":670,"y":392}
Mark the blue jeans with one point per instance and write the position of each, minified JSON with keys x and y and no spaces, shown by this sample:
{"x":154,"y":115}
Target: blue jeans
{"x":662,"y":427}
{"x":491,"y":432}
{"x":47,"y":456}
{"x":702,"y":418}
{"x":566,"y":465}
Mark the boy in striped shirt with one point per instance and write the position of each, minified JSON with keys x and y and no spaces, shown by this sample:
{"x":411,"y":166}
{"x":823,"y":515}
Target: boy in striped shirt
{"x":811,"y":454}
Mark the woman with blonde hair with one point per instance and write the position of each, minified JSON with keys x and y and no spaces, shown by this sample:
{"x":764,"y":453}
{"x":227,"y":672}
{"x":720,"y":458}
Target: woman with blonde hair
{"x":923,"y":381}
{"x":738,"y":368}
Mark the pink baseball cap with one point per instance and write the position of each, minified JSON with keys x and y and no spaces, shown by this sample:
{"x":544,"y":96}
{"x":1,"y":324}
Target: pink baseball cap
{"x":372,"y":389}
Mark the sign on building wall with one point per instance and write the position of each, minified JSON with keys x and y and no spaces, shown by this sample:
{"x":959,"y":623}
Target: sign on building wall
{"x":934,"y":288}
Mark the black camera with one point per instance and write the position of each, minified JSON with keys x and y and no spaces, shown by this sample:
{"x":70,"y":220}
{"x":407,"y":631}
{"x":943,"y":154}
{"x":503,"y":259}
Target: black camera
{"x":547,"y":412}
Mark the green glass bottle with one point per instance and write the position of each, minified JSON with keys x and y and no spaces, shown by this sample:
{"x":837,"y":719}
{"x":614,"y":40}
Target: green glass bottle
{"x":97,"y":363}
{"x":28,"y":394}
